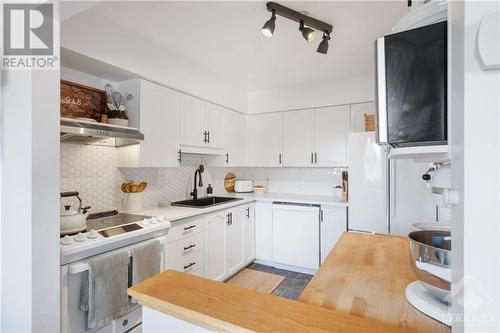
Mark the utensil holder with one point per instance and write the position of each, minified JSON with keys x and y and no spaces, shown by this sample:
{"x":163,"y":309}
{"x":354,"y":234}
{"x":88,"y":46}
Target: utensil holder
{"x":132,"y":202}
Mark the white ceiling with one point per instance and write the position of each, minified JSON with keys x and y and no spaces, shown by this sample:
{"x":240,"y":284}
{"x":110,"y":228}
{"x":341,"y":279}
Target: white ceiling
{"x":224,"y":38}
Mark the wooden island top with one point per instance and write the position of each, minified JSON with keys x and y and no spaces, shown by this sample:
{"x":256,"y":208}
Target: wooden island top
{"x":359,"y":288}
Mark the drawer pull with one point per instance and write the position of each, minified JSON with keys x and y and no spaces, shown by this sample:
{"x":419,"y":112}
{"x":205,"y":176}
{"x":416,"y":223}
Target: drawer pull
{"x":189,"y":247}
{"x":191,"y":264}
{"x":190,"y":227}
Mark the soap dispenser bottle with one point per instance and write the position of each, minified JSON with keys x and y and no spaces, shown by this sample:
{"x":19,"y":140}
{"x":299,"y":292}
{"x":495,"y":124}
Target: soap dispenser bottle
{"x":210,"y":190}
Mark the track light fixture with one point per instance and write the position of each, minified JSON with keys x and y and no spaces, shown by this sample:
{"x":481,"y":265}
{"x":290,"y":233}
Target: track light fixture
{"x":307,"y":25}
{"x":308,"y":33}
{"x":268,"y":28}
{"x":323,"y":45}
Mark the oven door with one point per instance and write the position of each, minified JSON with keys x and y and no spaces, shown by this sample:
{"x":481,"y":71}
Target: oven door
{"x":75,"y":320}
{"x":412,"y":87}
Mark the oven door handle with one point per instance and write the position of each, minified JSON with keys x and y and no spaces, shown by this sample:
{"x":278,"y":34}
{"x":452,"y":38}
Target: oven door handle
{"x":83,"y":266}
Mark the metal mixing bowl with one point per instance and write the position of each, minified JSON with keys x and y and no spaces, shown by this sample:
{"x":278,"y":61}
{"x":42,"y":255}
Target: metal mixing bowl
{"x":430,"y":257}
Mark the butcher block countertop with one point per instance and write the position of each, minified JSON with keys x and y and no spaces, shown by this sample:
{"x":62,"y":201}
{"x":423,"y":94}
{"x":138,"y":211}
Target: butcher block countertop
{"x":366,"y":275}
{"x":359,"y":288}
{"x":222,"y":307}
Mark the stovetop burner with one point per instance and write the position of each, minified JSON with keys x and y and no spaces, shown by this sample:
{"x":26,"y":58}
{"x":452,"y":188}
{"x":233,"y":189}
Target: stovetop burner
{"x":110,"y":218}
{"x":105,"y":220}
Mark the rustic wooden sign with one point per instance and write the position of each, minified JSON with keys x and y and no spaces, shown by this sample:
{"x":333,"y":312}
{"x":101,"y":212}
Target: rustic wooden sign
{"x":81,"y":101}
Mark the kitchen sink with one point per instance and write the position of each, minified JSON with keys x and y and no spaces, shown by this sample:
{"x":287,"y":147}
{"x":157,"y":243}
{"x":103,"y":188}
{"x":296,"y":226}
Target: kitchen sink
{"x":204,"y":202}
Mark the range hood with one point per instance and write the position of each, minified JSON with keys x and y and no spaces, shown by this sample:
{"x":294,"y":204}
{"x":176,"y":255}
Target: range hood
{"x":94,"y":133}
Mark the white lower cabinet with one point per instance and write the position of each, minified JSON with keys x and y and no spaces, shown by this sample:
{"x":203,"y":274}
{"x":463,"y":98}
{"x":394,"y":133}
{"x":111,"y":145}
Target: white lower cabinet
{"x":185,"y":250}
{"x":249,"y":232}
{"x":296,"y":235}
{"x":264,"y":230}
{"x":215,"y":245}
{"x":333,"y":224}
{"x":234,"y":240}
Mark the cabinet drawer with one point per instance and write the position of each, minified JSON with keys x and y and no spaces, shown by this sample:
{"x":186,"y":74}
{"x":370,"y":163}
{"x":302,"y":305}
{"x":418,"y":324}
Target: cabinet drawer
{"x":185,"y":228}
{"x":185,"y":255}
{"x":199,"y":272}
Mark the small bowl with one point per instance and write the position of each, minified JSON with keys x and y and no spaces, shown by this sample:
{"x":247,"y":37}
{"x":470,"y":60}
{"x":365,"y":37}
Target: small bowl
{"x":430,"y":257}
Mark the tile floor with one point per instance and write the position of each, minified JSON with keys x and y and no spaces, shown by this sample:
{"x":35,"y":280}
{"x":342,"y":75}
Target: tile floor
{"x":292,"y":285}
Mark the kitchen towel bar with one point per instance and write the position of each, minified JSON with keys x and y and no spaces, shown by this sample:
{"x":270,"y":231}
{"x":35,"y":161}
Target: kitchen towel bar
{"x":83,"y":266}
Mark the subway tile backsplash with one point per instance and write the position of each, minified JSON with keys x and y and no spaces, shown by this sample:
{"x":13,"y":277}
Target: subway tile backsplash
{"x":92,"y":171}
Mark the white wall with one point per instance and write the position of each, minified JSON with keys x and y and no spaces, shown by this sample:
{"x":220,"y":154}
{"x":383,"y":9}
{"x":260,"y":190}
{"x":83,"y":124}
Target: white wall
{"x":336,"y":91}
{"x":30,"y":197}
{"x":108,"y":43}
{"x":475,"y":104}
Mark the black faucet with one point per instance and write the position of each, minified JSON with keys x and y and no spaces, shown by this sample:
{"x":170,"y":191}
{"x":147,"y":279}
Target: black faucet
{"x":198,"y":171}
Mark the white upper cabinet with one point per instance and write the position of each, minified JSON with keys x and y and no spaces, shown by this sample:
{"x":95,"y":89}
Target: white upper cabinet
{"x":234,"y":137}
{"x":264,"y":136}
{"x":201,"y":126}
{"x":213,"y":124}
{"x":358,"y":112}
{"x":298,"y":138}
{"x":158,"y":119}
{"x":316,"y":138}
{"x":192,"y":129}
{"x":332,"y":129}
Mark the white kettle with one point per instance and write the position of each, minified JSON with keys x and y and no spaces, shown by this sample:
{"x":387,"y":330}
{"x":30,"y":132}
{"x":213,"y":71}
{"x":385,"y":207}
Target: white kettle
{"x":73,"y":220}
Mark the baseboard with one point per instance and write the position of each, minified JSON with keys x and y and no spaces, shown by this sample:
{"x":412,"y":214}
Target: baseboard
{"x":286,"y":267}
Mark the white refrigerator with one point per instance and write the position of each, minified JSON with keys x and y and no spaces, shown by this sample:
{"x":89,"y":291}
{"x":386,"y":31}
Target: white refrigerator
{"x":385,"y":196}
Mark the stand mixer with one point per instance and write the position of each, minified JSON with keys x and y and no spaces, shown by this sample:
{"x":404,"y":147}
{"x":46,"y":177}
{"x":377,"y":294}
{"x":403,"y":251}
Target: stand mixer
{"x":430,"y":256}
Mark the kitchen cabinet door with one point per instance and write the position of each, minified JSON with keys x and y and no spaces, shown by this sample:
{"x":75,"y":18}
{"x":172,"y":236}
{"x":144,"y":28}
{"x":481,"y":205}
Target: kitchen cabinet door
{"x":234,"y":241}
{"x":213,"y":124}
{"x":192,"y":128}
{"x":332,"y":129}
{"x":249,"y":232}
{"x":264,"y":136}
{"x":333,"y":224}
{"x":264,"y":230}
{"x":296,"y":235}
{"x":358,"y":112}
{"x":215,"y":245}
{"x":234,"y":137}
{"x":298,"y":138}
{"x":159,"y":109}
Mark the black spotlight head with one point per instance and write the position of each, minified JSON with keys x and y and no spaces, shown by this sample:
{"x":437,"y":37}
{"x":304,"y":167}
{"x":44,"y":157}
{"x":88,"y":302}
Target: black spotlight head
{"x":308,"y":33}
{"x":268,"y":28}
{"x":323,"y":46}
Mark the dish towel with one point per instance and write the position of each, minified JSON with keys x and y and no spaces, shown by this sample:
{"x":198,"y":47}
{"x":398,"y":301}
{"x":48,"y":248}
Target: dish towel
{"x":104,"y":288}
{"x":146,"y":261}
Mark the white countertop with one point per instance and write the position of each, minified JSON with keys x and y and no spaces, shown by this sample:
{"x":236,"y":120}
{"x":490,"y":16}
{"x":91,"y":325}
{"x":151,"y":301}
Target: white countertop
{"x":173,"y":213}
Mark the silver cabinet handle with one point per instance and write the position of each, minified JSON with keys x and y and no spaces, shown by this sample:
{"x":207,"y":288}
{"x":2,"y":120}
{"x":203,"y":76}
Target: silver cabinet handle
{"x":189,"y":247}
{"x":190,"y":227}
{"x":315,"y":158}
{"x":180,"y":156}
{"x":279,"y":158}
{"x":312,"y":158}
{"x":227,"y":158}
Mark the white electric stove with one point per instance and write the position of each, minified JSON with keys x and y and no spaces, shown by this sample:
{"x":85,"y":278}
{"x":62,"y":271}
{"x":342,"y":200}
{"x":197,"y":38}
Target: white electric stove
{"x":107,"y":232}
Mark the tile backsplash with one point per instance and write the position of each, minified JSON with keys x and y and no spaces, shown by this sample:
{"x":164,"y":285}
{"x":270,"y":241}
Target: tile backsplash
{"x":92,"y":171}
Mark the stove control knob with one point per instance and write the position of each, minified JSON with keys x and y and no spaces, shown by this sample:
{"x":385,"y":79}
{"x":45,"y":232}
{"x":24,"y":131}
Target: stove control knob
{"x":92,"y":234}
{"x":153,"y":220}
{"x":80,"y":237}
{"x":66,"y":240}
{"x":160,"y":218}
{"x":145,"y":222}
